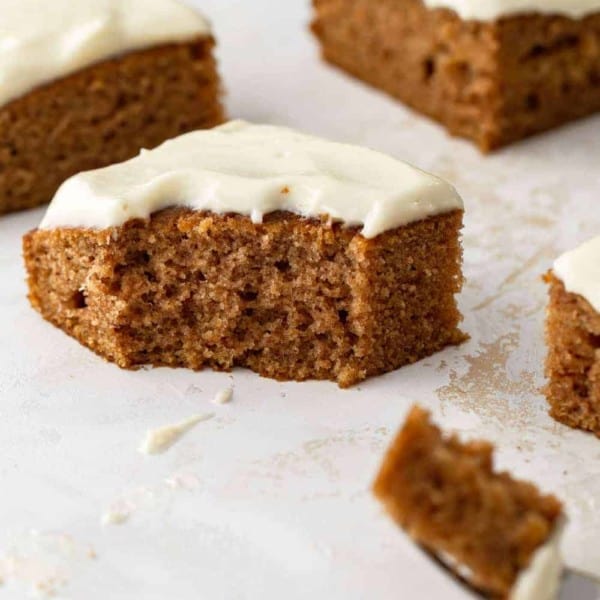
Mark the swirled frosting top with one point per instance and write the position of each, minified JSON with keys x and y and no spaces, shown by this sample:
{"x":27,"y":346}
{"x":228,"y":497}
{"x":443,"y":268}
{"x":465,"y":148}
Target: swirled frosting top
{"x":254,"y":170}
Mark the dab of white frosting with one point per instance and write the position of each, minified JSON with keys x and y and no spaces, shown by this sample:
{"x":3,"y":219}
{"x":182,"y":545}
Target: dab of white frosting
{"x":541,"y":579}
{"x":43,"y":40}
{"x":491,"y":10}
{"x":223,"y":396}
{"x":254,"y":170}
{"x":579,"y":270}
{"x":160,"y":440}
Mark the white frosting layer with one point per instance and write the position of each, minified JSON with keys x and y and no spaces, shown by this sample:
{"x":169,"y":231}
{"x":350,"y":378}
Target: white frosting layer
{"x":579,"y":270}
{"x":43,"y":40}
{"x":541,"y":580}
{"x":254,"y":170}
{"x":491,"y":10}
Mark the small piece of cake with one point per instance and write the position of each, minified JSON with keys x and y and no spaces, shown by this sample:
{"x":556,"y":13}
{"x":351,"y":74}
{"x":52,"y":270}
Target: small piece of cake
{"x":499,"y":534}
{"x":493,"y":71}
{"x":253,"y":246}
{"x":573,"y":338}
{"x":86,"y":83}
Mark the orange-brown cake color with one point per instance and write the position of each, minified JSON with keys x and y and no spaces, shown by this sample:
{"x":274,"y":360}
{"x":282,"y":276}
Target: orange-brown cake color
{"x":573,"y":361}
{"x":449,"y":499}
{"x":104,"y":114}
{"x":493,"y":82}
{"x":292,"y":298}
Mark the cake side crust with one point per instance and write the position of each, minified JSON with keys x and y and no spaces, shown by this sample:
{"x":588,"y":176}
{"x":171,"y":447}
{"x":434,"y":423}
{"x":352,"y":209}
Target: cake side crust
{"x":102,"y":115}
{"x":285,"y":298}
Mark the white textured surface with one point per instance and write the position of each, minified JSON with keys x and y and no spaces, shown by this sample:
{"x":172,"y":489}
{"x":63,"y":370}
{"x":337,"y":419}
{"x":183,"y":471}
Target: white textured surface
{"x":579,"y":270}
{"x":42,"y":40}
{"x":490,"y":10}
{"x":270,"y":499}
{"x":254,"y":170}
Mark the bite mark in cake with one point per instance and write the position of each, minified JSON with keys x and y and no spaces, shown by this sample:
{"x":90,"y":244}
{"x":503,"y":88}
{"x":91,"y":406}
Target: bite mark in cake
{"x":573,"y":338}
{"x":491,"y":71}
{"x":84,"y":84}
{"x":253,"y":246}
{"x":499,"y":534}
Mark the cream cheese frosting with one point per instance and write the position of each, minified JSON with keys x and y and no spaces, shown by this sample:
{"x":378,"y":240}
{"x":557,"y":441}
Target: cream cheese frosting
{"x":158,"y":441}
{"x":43,"y":40}
{"x":541,"y":579}
{"x":254,"y":170}
{"x":491,"y":10}
{"x":579,"y":270}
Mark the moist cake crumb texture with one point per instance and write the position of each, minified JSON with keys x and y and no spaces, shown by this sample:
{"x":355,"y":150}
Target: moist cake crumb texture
{"x":290,"y":296}
{"x":449,"y":499}
{"x":492,"y":81}
{"x":573,"y":361}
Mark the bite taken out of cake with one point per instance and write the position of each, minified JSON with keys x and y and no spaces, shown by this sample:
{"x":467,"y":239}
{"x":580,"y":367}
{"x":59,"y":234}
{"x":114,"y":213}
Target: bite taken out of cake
{"x":493,"y":71}
{"x":498,"y":534}
{"x":573,"y":338}
{"x":253,"y":246}
{"x":87,"y":83}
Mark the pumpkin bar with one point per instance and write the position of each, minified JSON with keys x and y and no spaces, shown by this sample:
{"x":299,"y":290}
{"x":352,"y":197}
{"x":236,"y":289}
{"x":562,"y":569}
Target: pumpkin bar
{"x":573,"y":338}
{"x":253,"y":246}
{"x":87,"y":83}
{"x":492,"y":71}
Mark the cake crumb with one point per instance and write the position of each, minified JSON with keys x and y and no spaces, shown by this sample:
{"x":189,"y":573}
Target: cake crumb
{"x":116,"y":517}
{"x":158,"y":441}
{"x":223,"y":396}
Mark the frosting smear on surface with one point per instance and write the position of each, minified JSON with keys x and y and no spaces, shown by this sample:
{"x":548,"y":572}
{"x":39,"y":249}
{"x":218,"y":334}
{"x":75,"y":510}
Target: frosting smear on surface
{"x":43,"y":40}
{"x":491,"y":10}
{"x":579,"y":270}
{"x":541,"y":579}
{"x":254,"y":170}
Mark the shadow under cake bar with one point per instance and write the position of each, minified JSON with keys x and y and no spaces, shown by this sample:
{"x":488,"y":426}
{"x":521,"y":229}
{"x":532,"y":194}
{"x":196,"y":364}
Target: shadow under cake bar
{"x":573,"y":338}
{"x":499,"y":534}
{"x":493,"y":71}
{"x":86,"y":83}
{"x":253,"y":246}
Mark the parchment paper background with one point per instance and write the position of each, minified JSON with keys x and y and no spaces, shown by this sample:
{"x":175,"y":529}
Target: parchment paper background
{"x":271,"y":497}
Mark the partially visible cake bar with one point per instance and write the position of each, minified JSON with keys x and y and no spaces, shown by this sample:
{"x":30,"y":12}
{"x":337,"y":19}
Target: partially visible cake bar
{"x":86,"y":83}
{"x":492,"y":71}
{"x":573,"y":338}
{"x":499,"y":534}
{"x":253,"y":246}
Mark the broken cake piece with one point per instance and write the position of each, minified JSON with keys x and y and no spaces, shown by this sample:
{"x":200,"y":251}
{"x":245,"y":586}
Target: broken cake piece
{"x":253,"y":246}
{"x":498,"y":534}
{"x":573,"y":338}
